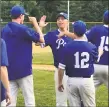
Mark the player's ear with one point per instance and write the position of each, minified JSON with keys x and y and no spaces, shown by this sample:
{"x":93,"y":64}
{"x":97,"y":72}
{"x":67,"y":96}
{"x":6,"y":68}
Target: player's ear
{"x":20,"y":16}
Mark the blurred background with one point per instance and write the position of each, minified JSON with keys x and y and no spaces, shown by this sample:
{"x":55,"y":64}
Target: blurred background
{"x":89,"y":11}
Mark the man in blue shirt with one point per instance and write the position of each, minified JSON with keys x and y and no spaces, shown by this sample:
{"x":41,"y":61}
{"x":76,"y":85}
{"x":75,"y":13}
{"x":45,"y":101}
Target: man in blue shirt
{"x":5,"y":89}
{"x":57,"y":45}
{"x":99,"y":35}
{"x":19,"y":38}
{"x":78,"y":58}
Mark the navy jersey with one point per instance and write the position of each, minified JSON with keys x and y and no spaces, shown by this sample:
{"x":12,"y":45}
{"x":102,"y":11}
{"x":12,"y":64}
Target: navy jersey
{"x":18,"y":40}
{"x":56,"y":44}
{"x":99,"y":35}
{"x":78,"y":58}
{"x":4,"y":62}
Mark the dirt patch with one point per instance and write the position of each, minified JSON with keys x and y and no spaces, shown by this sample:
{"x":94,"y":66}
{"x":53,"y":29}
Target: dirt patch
{"x":38,"y":49}
{"x":44,"y":67}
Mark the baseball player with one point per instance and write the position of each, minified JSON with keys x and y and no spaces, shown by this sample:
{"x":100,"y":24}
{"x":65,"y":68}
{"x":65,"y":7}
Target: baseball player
{"x":56,"y":44}
{"x":4,"y":89}
{"x":77,"y":59}
{"x":19,"y":38}
{"x":99,"y":35}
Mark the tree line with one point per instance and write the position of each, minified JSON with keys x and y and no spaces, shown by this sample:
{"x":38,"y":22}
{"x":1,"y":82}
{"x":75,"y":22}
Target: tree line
{"x":87,"y":11}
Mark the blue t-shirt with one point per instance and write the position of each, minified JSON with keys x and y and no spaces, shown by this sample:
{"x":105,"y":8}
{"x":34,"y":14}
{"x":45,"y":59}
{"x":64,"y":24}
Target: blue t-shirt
{"x":99,"y":35}
{"x":4,"y":62}
{"x":56,"y":44}
{"x":78,"y":58}
{"x":18,"y":40}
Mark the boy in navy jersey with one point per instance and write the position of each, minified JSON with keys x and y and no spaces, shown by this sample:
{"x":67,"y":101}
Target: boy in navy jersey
{"x":4,"y":86}
{"x":19,"y":38}
{"x":99,"y":35}
{"x":56,"y":44}
{"x":77,"y":59}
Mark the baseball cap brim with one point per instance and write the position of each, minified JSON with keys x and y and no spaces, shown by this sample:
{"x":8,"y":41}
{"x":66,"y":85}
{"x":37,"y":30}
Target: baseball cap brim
{"x":62,"y":15}
{"x":27,"y":14}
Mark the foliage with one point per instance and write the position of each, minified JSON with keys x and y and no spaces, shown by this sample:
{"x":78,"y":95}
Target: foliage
{"x":84,"y":10}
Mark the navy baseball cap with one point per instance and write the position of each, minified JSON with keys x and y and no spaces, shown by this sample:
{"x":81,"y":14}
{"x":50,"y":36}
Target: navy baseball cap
{"x":106,"y":16}
{"x":17,"y":10}
{"x":79,"y":27}
{"x":63,"y":14}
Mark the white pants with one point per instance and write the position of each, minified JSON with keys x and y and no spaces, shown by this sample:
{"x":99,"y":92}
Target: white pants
{"x":81,"y":89}
{"x":3,"y":103}
{"x":100,"y":75}
{"x":61,"y":97}
{"x":26,"y":85}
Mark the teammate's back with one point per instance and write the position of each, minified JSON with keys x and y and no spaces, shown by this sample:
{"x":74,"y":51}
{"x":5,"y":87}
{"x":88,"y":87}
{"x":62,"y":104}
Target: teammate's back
{"x":18,"y":40}
{"x":79,"y":58}
{"x":99,"y":35}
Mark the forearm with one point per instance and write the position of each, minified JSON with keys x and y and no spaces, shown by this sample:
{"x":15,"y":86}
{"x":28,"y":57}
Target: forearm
{"x":100,"y":53}
{"x":4,"y":78}
{"x":60,"y":75}
{"x":37,"y":28}
{"x":69,"y":34}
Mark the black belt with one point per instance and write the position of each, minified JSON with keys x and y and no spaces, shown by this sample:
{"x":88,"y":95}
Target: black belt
{"x":80,"y":76}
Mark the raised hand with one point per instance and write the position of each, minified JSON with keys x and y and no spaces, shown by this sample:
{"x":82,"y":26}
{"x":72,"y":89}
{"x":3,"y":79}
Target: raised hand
{"x":42,"y":22}
{"x":8,"y":99}
{"x":61,"y":87}
{"x":32,"y":19}
{"x":61,"y":34}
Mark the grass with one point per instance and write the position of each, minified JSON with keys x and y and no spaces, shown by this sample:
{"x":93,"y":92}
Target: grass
{"x":43,"y":58}
{"x":45,"y":93}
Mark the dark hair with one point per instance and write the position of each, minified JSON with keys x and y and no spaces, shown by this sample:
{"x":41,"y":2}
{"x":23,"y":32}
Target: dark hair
{"x":14,"y":17}
{"x":79,"y":35}
{"x":106,"y":21}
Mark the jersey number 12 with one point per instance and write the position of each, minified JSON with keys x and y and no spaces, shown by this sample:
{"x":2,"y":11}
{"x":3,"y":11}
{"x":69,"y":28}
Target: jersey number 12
{"x":83,"y":58}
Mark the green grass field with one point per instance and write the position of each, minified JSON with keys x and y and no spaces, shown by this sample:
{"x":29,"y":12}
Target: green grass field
{"x":44,"y":85}
{"x":43,"y":58}
{"x":45,"y":93}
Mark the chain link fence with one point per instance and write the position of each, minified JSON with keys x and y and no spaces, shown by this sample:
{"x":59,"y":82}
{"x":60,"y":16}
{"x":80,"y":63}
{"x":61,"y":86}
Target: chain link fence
{"x":52,"y":25}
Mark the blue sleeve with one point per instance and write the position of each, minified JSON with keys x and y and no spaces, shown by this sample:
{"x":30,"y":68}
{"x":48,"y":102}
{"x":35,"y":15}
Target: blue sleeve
{"x":95,"y":53}
{"x":62,"y":62}
{"x":4,"y":58}
{"x":48,"y":38}
{"x":32,"y":35}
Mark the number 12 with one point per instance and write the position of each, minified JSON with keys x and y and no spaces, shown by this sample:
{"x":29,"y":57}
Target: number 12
{"x":82,"y":60}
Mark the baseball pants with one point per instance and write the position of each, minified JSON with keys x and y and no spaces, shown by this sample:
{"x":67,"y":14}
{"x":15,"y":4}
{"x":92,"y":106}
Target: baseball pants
{"x":3,"y":103}
{"x":26,"y":85}
{"x":80,"y":88}
{"x":100,"y":75}
{"x":61,"y":97}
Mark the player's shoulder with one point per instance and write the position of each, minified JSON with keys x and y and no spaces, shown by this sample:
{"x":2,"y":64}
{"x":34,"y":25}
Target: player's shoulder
{"x":91,"y":45}
{"x":19,"y":26}
{"x":97,"y":27}
{"x":52,"y":32}
{"x":70,"y":44}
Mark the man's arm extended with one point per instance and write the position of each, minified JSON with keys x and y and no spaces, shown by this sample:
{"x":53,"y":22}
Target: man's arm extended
{"x":37,"y":28}
{"x":60,"y":78}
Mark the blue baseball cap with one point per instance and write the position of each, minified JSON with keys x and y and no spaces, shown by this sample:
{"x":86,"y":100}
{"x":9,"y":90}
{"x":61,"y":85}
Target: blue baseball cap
{"x":79,"y":27}
{"x":106,"y":16}
{"x":63,"y":15}
{"x":17,"y":10}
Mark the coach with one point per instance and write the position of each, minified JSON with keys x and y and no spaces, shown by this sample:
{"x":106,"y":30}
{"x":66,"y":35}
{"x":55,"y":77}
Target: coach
{"x":19,"y":38}
{"x":78,"y":58}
